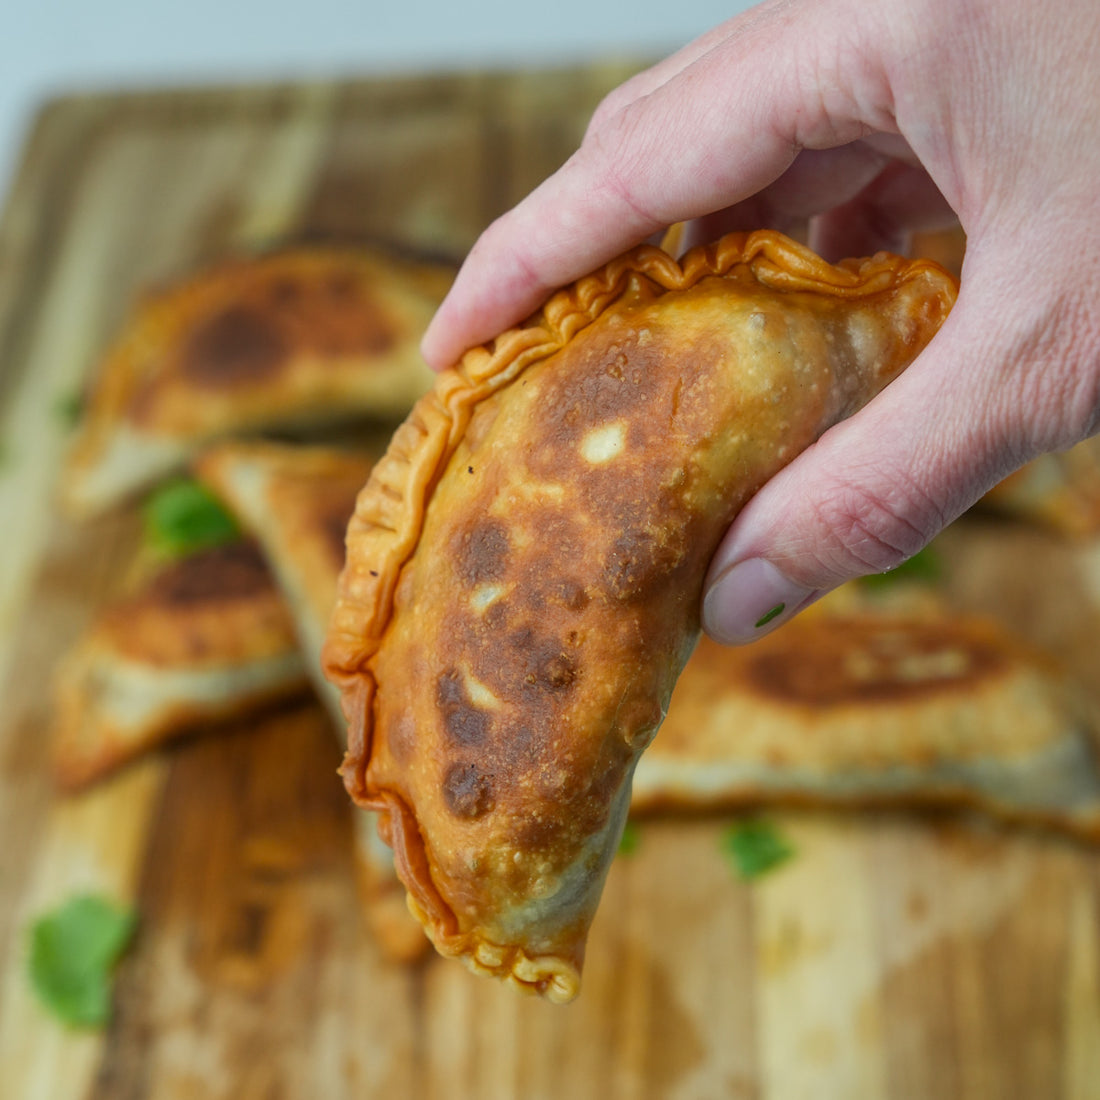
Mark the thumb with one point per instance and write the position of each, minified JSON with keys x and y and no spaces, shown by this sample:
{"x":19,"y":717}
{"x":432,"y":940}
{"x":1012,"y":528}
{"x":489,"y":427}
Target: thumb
{"x":989,"y":392}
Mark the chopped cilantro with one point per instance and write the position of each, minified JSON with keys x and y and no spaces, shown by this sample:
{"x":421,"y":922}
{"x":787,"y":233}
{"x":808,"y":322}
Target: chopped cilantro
{"x":769,"y":615}
{"x":924,"y":567}
{"x":628,"y":842}
{"x":73,"y":951}
{"x":183,"y":516}
{"x":755,"y":847}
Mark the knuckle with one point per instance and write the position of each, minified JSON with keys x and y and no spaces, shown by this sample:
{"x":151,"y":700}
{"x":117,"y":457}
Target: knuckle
{"x":862,"y":531}
{"x":608,"y":108}
{"x":616,"y":158}
{"x":624,"y":97}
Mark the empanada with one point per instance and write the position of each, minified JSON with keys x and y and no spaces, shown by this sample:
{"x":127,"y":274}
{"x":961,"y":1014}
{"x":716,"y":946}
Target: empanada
{"x":291,"y":339}
{"x":862,"y":708}
{"x":296,"y":500}
{"x":203,"y":640}
{"x":525,"y":564}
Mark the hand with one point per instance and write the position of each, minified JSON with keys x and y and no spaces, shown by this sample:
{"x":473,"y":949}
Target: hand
{"x":864,"y":121}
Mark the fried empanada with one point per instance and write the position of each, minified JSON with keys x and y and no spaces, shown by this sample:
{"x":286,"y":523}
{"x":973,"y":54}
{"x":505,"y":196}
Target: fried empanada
{"x":205,"y":639}
{"x":291,"y":339}
{"x":876,"y":708}
{"x":525,"y":564}
{"x":296,"y":500}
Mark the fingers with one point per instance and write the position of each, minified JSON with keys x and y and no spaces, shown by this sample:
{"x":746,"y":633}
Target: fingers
{"x":719,"y":129}
{"x":566,"y":227}
{"x":900,"y":201}
{"x":817,"y":180}
{"x":990,"y":392}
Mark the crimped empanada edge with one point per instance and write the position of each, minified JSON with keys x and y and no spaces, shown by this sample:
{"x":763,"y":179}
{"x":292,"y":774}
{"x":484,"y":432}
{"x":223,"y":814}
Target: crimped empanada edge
{"x":552,"y":976}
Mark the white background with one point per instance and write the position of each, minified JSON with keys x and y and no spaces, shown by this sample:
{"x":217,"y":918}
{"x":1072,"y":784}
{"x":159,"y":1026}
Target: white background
{"x":49,"y":47}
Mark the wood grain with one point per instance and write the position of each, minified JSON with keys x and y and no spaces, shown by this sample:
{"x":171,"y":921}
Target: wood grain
{"x":892,"y":957}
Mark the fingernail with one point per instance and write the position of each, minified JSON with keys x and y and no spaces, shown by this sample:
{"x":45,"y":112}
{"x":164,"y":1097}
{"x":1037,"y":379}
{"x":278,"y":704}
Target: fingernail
{"x":749,"y":600}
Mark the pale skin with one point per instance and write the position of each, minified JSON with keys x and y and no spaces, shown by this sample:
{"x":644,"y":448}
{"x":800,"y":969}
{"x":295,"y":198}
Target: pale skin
{"x":868,"y":121}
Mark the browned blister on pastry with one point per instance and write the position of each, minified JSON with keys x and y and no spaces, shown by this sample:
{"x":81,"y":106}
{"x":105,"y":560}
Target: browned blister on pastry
{"x":290,"y":339}
{"x":203,"y":640}
{"x":525,"y":565}
{"x":860,"y":707}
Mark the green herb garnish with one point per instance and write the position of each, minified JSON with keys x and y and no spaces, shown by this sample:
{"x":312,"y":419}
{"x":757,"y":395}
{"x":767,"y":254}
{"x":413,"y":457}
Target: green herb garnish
{"x":628,"y":842}
{"x":68,"y":408}
{"x":73,"y":951}
{"x":183,"y":516}
{"x":924,"y":567}
{"x":755,"y":847}
{"x":769,"y":615}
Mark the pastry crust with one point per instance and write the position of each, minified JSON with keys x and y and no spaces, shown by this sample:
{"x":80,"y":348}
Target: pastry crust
{"x":525,"y":564}
{"x":203,"y":640}
{"x":296,"y":500}
{"x":292,"y":339}
{"x":893,"y":708}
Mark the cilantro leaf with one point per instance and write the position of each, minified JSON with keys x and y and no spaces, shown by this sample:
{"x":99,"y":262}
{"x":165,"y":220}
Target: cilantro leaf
{"x":767,"y":617}
{"x":628,"y":842}
{"x":183,"y":516}
{"x":73,"y":950}
{"x":755,"y":847}
{"x":68,"y":408}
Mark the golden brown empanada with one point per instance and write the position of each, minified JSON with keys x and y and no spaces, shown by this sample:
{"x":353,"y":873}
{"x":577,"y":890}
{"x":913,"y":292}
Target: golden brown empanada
{"x":526,"y":562}
{"x":291,"y":339}
{"x":875,"y":708}
{"x":296,"y":500}
{"x":205,"y":639}
{"x":946,"y":246}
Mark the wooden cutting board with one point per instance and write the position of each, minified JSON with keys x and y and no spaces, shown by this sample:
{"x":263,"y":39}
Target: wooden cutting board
{"x":891,"y":957}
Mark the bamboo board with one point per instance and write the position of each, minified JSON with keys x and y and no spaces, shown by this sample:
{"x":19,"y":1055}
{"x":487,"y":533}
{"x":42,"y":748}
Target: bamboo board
{"x":892,"y":957}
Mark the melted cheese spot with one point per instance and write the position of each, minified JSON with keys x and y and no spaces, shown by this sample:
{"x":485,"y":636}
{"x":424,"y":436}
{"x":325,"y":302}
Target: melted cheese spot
{"x":484,"y":596}
{"x":480,"y":695}
{"x":603,"y":444}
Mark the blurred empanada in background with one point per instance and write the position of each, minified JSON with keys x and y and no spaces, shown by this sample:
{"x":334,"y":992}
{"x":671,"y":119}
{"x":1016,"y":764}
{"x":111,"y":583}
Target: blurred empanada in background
{"x":288,"y":340}
{"x":853,"y":706}
{"x":203,"y":640}
{"x":1060,"y":491}
{"x":526,"y":563}
{"x":296,"y":501}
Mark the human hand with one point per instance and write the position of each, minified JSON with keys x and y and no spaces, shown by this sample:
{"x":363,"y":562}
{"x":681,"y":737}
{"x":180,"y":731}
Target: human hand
{"x":867,"y":121}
